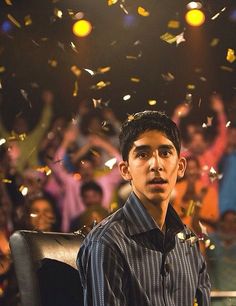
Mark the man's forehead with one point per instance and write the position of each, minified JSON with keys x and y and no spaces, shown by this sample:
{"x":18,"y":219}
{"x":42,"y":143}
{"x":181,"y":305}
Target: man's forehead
{"x":152,"y":138}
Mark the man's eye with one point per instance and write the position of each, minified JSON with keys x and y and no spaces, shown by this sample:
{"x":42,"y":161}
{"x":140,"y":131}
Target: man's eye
{"x":165,"y":153}
{"x":142,"y":155}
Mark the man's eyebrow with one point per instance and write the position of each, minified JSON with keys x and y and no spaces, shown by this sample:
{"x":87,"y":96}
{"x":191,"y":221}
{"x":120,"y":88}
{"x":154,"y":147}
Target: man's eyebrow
{"x":141,"y":147}
{"x":147,"y":147}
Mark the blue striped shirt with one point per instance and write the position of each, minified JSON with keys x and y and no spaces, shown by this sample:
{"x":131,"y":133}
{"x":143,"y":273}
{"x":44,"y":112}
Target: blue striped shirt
{"x":127,"y":260}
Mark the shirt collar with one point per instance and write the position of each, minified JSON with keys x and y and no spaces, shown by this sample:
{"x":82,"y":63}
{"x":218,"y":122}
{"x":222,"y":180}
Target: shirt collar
{"x":139,"y":220}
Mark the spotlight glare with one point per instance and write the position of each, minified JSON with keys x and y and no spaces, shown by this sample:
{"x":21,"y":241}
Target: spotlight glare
{"x":195,"y":18}
{"x":82,"y":28}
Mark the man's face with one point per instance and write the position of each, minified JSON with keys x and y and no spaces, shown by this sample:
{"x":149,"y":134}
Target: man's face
{"x":197,"y":144}
{"x":92,"y":197}
{"x":153,"y":167}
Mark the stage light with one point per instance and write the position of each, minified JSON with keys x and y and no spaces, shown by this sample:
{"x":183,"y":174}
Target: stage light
{"x":82,"y":28}
{"x":195,"y":17}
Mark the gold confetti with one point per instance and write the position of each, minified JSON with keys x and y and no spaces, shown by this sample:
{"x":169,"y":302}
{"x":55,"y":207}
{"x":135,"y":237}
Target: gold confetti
{"x":101,"y":85}
{"x":173,"y":24}
{"x":103,"y":69}
{"x":58,"y":13}
{"x":2,"y":141}
{"x":218,"y":14}
{"x":169,"y":38}
{"x":213,"y":175}
{"x":97,"y":103}
{"x":91,"y":72}
{"x":143,"y":12}
{"x":95,"y":153}
{"x":73,"y":47}
{"x":131,"y":57}
{"x":8,"y":2}
{"x":228,"y":124}
{"x":28,"y":20}
{"x":124,"y":9}
{"x":214,"y":42}
{"x":6,"y":181}
{"x":130,"y":117}
{"x":152,"y":102}
{"x":52,"y":63}
{"x":226,"y":68}
{"x":75,"y":70}
{"x":111,"y":2}
{"x":13,"y":20}
{"x":168,"y":76}
{"x":135,"y":80}
{"x":24,"y":190}
{"x":110,"y":163}
{"x":2,"y":69}
{"x":230,"y":57}
{"x":76,"y":88}
{"x":180,"y":38}
{"x":45,"y":170}
{"x":191,"y":86}
{"x":22,"y":136}
{"x":209,"y":121}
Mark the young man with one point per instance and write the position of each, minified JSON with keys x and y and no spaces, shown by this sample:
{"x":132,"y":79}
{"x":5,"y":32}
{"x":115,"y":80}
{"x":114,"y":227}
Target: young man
{"x":143,"y":255}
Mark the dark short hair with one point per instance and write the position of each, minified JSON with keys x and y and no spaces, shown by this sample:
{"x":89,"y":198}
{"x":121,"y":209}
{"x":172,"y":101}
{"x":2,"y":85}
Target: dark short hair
{"x":141,"y":122}
{"x":91,"y":186}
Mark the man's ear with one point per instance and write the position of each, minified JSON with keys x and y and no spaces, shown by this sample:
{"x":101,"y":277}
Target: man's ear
{"x":182,"y":167}
{"x":124,"y":170}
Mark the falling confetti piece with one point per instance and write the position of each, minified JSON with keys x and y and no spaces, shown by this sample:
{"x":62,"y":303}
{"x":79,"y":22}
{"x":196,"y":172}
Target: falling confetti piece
{"x":58,"y":13}
{"x":2,"y":141}
{"x":101,"y":85}
{"x":111,"y":2}
{"x":130,"y":117}
{"x":8,"y":2}
{"x":191,"y":86}
{"x":61,"y":45}
{"x":218,"y":14}
{"x":135,"y":80}
{"x":45,"y":170}
{"x":6,"y":181}
{"x":97,"y":103}
{"x":95,"y":153}
{"x":2,"y":69}
{"x":214,"y":42}
{"x":91,"y":72}
{"x":75,"y":70}
{"x":27,"y":20}
{"x":168,"y":77}
{"x":103,"y":69}
{"x":126,"y":97}
{"x":228,"y":124}
{"x":173,"y":24}
{"x":24,"y":190}
{"x":110,"y":163}
{"x":209,"y":121}
{"x":203,"y":229}
{"x":76,"y":88}
{"x":203,"y":79}
{"x":226,"y":68}
{"x":230,"y":57}
{"x":169,"y":38}
{"x":132,"y":57}
{"x":124,"y":9}
{"x":152,"y":102}
{"x":143,"y":12}
{"x":213,"y":175}
{"x":52,"y":63}
{"x":180,"y":38}
{"x":13,"y":20}
{"x":73,"y":47}
{"x":204,"y":125}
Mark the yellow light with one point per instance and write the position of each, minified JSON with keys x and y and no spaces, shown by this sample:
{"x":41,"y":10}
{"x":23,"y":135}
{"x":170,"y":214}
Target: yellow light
{"x":82,"y":28}
{"x":195,"y":18}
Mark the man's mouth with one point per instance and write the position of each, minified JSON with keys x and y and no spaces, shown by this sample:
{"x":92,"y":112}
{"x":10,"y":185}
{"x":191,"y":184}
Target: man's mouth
{"x":157,"y":181}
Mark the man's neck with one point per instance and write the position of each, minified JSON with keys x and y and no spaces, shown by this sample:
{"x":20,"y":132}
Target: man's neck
{"x":158,"y":213}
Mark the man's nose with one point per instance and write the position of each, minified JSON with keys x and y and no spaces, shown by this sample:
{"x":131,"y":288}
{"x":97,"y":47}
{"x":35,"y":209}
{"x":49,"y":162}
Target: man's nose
{"x":156,"y":162}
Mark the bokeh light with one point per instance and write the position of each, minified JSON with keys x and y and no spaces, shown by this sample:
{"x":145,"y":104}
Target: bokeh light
{"x":195,"y":18}
{"x":82,"y":28}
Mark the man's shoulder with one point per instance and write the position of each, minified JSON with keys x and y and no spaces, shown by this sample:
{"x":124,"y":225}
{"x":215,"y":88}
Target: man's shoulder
{"x":108,"y":230}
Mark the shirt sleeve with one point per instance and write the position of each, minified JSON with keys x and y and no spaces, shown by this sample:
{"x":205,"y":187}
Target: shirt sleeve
{"x":204,"y":286}
{"x":102,"y":275}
